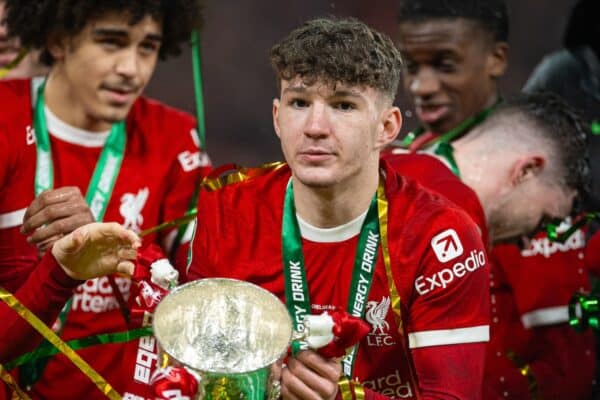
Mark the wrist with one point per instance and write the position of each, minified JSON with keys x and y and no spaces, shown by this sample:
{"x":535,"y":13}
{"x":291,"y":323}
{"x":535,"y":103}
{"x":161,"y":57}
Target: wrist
{"x":57,"y":256}
{"x":58,"y":273}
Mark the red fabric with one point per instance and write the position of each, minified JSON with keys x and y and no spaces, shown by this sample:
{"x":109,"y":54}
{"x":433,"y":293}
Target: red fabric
{"x":347,"y":331}
{"x":436,"y":176}
{"x":44,"y":293}
{"x":161,"y":167}
{"x":239,"y":237}
{"x":171,"y":381}
{"x":145,"y":294}
{"x":456,"y":383}
{"x":530,"y":293}
{"x":592,"y":254}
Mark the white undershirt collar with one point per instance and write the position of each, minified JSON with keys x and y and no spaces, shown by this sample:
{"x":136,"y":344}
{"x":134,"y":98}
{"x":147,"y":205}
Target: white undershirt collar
{"x":331,"y":235}
{"x":71,"y":134}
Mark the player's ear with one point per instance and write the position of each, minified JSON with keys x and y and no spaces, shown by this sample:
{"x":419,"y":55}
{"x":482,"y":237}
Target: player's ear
{"x":391,"y":122}
{"x":276,"y":103}
{"x":527,"y":168}
{"x":497,"y":60}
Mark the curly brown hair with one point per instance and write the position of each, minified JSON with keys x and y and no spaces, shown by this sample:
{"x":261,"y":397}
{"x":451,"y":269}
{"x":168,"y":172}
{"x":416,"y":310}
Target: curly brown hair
{"x":339,"y":50}
{"x":33,"y":21}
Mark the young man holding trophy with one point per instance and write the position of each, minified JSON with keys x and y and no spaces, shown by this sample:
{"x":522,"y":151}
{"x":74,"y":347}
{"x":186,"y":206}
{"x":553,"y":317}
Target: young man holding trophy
{"x":337,"y":228}
{"x":409,"y":262}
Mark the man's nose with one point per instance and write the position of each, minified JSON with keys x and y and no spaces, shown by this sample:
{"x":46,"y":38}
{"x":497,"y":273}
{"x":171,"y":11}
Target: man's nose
{"x":127,"y":63}
{"x":317,"y":122}
{"x":424,"y":83}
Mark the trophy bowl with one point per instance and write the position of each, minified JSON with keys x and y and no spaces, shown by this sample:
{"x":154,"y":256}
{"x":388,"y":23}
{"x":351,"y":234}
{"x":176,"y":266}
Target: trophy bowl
{"x":225,"y":331}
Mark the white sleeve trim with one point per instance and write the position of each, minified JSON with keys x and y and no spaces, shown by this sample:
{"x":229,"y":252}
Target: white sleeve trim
{"x":545,"y":316}
{"x":12,"y":219}
{"x":474,"y":334}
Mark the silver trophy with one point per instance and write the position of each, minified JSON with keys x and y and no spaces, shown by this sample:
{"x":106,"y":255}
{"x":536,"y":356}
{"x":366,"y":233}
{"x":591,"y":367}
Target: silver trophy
{"x":228,"y":333}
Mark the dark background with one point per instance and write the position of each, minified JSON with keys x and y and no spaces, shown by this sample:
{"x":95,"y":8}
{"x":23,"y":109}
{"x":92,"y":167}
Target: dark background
{"x":239,"y":85}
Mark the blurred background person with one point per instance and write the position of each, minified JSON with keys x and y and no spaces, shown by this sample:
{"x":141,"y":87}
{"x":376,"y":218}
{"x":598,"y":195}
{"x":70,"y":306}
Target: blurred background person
{"x":9,"y":52}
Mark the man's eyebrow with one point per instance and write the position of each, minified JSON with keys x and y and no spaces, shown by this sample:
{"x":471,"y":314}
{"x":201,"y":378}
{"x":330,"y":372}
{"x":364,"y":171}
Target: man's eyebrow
{"x":347,"y":93}
{"x":122,"y":33}
{"x":295,"y":89}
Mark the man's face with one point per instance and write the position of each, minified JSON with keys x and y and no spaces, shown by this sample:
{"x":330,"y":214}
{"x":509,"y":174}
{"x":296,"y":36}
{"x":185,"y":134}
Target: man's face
{"x":529,"y":207}
{"x":107,"y":65}
{"x":451,"y":67}
{"x":331,"y":135}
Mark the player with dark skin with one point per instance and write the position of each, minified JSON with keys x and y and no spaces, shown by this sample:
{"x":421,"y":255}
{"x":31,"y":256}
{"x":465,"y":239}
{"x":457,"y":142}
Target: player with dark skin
{"x":454,"y":55}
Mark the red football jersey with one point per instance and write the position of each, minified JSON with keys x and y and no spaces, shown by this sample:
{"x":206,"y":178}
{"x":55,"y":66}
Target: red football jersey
{"x":432,"y":173}
{"x":160,"y":170}
{"x":439,"y":265}
{"x":531,"y":290}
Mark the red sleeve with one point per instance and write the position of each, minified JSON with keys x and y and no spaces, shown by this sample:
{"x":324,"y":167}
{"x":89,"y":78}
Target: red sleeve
{"x":446,"y":372}
{"x":44,"y":293}
{"x":448,"y":317}
{"x":450,"y":303}
{"x":4,"y":156}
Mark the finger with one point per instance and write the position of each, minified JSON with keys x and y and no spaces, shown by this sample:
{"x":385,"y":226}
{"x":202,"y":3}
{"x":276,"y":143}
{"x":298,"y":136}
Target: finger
{"x":47,"y":243}
{"x":276,"y":370}
{"x":294,"y":387}
{"x":56,"y":212}
{"x":126,"y":267}
{"x":320,"y":375}
{"x":115,"y":231}
{"x":287,"y":394}
{"x":131,"y":238}
{"x":50,"y":197}
{"x":60,"y":226}
{"x":329,"y":368}
{"x":127,"y":253}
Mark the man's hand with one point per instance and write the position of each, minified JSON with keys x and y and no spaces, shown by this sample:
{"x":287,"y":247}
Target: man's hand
{"x":53,"y":214}
{"x":97,"y":249}
{"x":310,"y":376}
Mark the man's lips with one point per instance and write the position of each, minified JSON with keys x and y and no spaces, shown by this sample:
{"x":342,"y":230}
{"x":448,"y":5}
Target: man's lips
{"x":8,"y":53}
{"x":120,"y":95}
{"x":7,"y":57}
{"x":430,"y":114}
{"x":315,"y":155}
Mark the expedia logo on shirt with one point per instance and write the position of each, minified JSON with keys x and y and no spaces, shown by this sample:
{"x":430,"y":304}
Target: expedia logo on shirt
{"x":441,"y":279}
{"x":96,"y":295}
{"x":545,"y":247}
{"x":447,"y":246}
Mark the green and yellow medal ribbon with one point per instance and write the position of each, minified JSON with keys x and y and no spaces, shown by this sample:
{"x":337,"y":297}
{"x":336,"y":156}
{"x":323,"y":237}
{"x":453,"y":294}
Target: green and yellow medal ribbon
{"x":53,"y":338}
{"x":97,"y":196}
{"x":296,"y":284}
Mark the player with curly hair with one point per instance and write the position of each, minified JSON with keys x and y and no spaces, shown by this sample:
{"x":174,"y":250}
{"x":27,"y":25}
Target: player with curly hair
{"x":335,"y":211}
{"x":83,"y":145}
